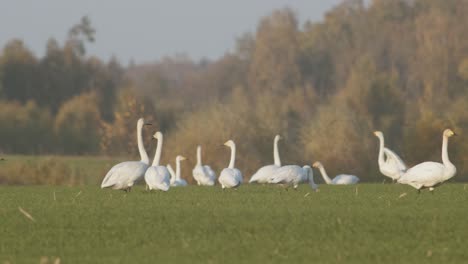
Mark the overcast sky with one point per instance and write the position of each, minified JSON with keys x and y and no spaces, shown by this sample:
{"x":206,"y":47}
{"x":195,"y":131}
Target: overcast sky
{"x":146,"y":30}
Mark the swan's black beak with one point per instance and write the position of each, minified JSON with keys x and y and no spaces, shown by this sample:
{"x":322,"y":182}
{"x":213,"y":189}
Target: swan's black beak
{"x":148,"y":124}
{"x":152,"y":138}
{"x":455,"y":134}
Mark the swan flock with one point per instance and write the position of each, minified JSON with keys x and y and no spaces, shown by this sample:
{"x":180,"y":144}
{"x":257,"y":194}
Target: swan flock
{"x":124,"y":175}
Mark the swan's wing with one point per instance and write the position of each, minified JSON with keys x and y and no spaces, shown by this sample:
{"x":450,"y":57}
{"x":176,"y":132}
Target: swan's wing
{"x":345,"y":179}
{"x":210,"y":172}
{"x":229,"y":178}
{"x":198,"y":173}
{"x":124,"y":172}
{"x":424,"y":174}
{"x":263,"y":174}
{"x":287,"y":174}
{"x":157,"y":177}
{"x":393,"y":158}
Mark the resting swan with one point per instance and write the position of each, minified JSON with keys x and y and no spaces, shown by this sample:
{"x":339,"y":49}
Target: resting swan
{"x":342,"y":179}
{"x":263,"y":175}
{"x":392,"y":166}
{"x":203,"y":174}
{"x":123,"y":175}
{"x":294,"y":175}
{"x":230,"y":177}
{"x":157,"y":177}
{"x":431,"y":174}
{"x":176,"y":180}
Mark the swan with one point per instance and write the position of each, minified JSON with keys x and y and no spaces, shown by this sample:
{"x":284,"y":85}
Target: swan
{"x":230,"y":177}
{"x":123,"y":175}
{"x":178,"y":181}
{"x":294,"y":175}
{"x":392,"y":166}
{"x":342,"y":179}
{"x":431,"y":174}
{"x":264,"y":174}
{"x":203,"y":174}
{"x":158,"y":177}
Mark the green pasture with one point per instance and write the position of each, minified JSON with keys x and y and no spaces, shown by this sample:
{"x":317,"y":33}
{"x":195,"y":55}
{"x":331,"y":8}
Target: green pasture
{"x":367,"y":223}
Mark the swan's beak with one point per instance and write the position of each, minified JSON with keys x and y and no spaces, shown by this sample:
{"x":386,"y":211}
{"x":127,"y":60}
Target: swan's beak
{"x":148,"y":124}
{"x":455,"y":134}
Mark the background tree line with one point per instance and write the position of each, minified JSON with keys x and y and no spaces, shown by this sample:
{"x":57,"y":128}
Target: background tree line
{"x":400,"y":66}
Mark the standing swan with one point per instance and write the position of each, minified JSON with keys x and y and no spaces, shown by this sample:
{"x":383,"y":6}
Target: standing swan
{"x":157,"y":177}
{"x":431,"y":174}
{"x":342,"y":179}
{"x":392,"y":166}
{"x":230,"y":177}
{"x":264,"y":174}
{"x":178,"y":181}
{"x":203,"y":174}
{"x":294,"y":175}
{"x":123,"y":175}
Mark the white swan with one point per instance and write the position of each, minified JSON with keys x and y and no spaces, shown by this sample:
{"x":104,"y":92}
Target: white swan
{"x":263,"y":175}
{"x":294,"y":175}
{"x":230,"y":177}
{"x":431,"y":174}
{"x":342,"y":179}
{"x":390,"y":164}
{"x":123,"y":175}
{"x":178,"y":181}
{"x":203,"y":174}
{"x":157,"y":177}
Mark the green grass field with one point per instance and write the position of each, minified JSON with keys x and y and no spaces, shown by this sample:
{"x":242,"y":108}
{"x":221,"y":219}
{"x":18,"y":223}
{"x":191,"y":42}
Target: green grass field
{"x":263,"y":224}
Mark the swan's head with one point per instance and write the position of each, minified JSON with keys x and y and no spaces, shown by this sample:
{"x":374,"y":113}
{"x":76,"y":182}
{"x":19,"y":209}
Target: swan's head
{"x":141,"y":123}
{"x":448,"y":133}
{"x":229,"y":143}
{"x":278,"y":137}
{"x":317,"y":164}
{"x":180,"y":158}
{"x":158,"y":135}
{"x":378,"y":134}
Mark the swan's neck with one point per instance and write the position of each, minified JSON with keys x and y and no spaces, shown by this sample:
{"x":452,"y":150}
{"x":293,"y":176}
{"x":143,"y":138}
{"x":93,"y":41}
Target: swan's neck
{"x":310,"y":176}
{"x":445,"y":157}
{"x":199,"y":156}
{"x":325,"y":175}
{"x":143,"y":155}
{"x":157,"y":156}
{"x":233,"y":157}
{"x":381,"y":150}
{"x":177,"y":170}
{"x":171,"y":171}
{"x":276,"y":153}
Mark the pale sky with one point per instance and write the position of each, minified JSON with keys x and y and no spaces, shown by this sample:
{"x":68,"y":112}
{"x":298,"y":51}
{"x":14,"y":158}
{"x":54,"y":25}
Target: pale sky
{"x":146,"y":30}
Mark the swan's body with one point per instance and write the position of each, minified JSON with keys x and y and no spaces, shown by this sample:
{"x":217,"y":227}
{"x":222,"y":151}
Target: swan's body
{"x":390,"y":164}
{"x":124,"y":175}
{"x":230,"y":177}
{"x":264,"y":174}
{"x":203,"y":174}
{"x":158,"y":177}
{"x":176,"y":180}
{"x":431,"y":174}
{"x":341,"y":179}
{"x":294,"y":175}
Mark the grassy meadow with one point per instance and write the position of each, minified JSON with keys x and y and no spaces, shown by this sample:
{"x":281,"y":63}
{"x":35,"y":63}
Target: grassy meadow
{"x":367,"y":223}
